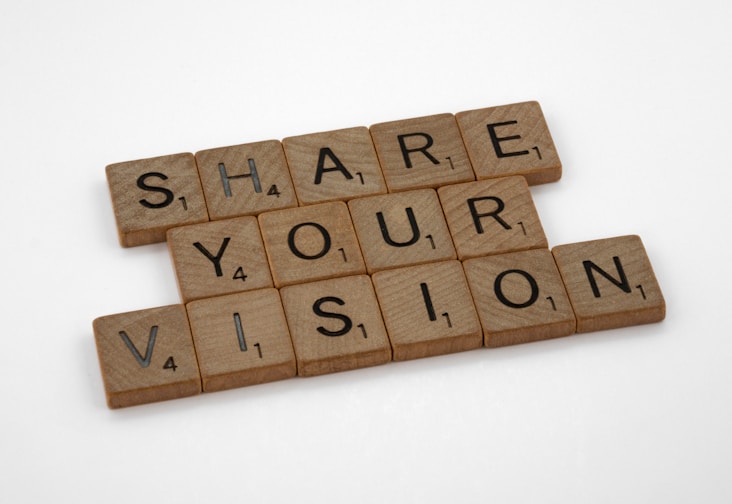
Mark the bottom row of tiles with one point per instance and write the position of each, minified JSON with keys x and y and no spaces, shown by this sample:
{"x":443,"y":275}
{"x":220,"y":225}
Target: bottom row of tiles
{"x":358,"y":321}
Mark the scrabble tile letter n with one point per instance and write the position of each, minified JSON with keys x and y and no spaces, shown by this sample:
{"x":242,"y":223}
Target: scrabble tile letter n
{"x":152,"y":195}
{"x":610,"y":283}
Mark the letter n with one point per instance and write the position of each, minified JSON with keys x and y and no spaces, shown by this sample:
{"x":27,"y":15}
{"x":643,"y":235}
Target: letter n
{"x":621,"y":283}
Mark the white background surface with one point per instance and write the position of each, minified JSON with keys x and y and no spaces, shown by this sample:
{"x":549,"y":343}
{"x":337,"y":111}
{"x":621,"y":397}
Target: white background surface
{"x":637,"y":97}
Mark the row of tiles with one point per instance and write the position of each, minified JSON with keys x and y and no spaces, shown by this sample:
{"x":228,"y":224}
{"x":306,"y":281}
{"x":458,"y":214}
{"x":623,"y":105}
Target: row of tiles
{"x":366,"y":235}
{"x":152,"y":195}
{"x":357,"y":321}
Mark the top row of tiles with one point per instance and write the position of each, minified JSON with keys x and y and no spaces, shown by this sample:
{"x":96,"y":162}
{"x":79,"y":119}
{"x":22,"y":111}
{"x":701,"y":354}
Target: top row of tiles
{"x":153,"y":195}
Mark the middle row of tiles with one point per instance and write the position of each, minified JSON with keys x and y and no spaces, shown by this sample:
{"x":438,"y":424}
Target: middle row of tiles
{"x":366,"y":235}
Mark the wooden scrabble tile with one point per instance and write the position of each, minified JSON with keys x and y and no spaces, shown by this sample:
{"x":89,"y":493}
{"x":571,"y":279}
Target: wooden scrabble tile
{"x":311,"y":243}
{"x":421,"y":152}
{"x":510,"y":140}
{"x":610,"y":283}
{"x":219,"y":257}
{"x":401,"y":229}
{"x":146,"y":356}
{"x":335,"y":325}
{"x":492,"y":217}
{"x":334,"y":165}
{"x":152,"y":195}
{"x":427,"y":310}
{"x":241,"y":339}
{"x":245,"y":179}
{"x":520,"y":297}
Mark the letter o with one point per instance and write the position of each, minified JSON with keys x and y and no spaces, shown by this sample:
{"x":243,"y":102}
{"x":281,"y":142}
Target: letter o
{"x":297,"y":252}
{"x":503,"y":299}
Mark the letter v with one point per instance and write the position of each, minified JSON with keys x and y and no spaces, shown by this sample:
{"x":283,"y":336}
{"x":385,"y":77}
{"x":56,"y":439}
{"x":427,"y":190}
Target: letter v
{"x":143,"y":361}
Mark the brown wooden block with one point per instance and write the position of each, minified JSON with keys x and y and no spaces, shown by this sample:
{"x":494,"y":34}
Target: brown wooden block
{"x":421,"y":152}
{"x":245,"y":179}
{"x":146,"y":356}
{"x":520,"y":297}
{"x":335,"y":325}
{"x":150,"y":196}
{"x":610,"y":283}
{"x":401,"y":229}
{"x":510,"y":140}
{"x":334,"y":165}
{"x":427,"y":310}
{"x":311,"y":243}
{"x":241,"y":339}
{"x":492,"y":217}
{"x":219,"y":257}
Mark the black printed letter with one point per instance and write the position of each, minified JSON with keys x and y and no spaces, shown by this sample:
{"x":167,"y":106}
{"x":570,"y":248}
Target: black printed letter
{"x":347,"y":323}
{"x":169,"y":197}
{"x":225,"y":177}
{"x":621,"y":284}
{"x":412,"y":224}
{"x":494,"y":214}
{"x":297,"y":252}
{"x":423,"y":149}
{"x":143,"y":361}
{"x":496,"y":140}
{"x":503,"y":299}
{"x":216,"y":260}
{"x":325,"y":151}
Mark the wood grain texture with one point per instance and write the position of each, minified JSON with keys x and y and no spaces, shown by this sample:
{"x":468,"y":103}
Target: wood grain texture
{"x":241,"y":339}
{"x":150,"y":196}
{"x":427,"y":310}
{"x":245,"y":179}
{"x":276,"y":284}
{"x":610,"y":283}
{"x":334,"y":165}
{"x":401,"y":229}
{"x":146,"y":356}
{"x":335,"y":325}
{"x":310,"y":243}
{"x":421,"y":152}
{"x":219,"y":257}
{"x":510,"y":140}
{"x":492,"y":217}
{"x":520,"y":297}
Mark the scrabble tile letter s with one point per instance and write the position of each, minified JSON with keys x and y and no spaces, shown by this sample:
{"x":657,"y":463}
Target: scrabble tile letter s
{"x":152,"y":195}
{"x":335,"y":325}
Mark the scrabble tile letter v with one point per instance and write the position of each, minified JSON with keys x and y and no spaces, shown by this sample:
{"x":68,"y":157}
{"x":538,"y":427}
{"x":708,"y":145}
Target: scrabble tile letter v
{"x":147,"y":356}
